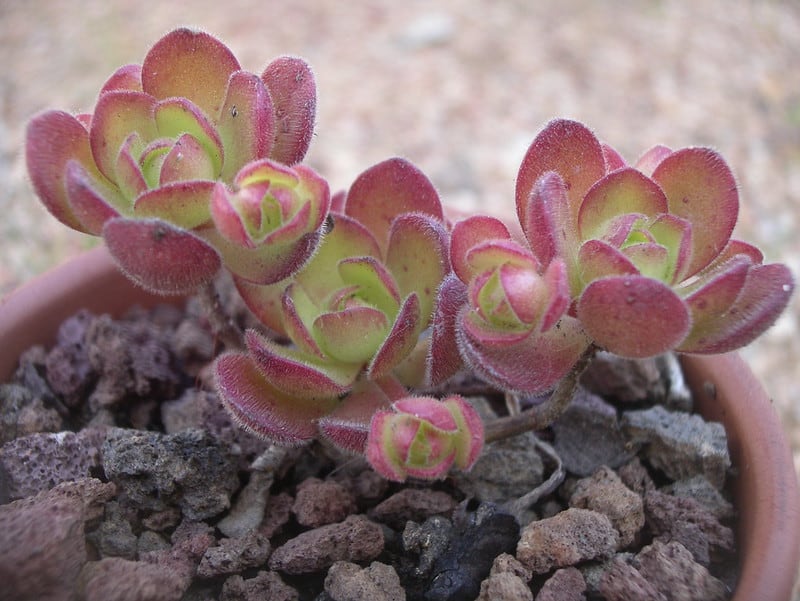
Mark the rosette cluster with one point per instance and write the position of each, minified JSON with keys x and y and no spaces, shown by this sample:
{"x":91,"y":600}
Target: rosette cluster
{"x":167,"y":136}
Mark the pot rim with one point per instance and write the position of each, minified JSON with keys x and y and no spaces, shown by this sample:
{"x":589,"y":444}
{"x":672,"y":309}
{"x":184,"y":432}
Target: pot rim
{"x":724,"y":388}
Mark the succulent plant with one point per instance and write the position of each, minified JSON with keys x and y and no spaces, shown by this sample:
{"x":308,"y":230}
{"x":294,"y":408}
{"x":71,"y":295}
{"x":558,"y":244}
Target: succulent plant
{"x":355,"y":315}
{"x":164,"y":138}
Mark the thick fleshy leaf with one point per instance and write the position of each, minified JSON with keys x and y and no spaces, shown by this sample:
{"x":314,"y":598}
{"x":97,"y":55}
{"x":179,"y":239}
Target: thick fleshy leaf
{"x":185,"y":204}
{"x":732,"y":248}
{"x":532,"y":365}
{"x":227,"y":219}
{"x":648,"y":162}
{"x":376,"y":286}
{"x":52,"y":139}
{"x":128,"y":77}
{"x":621,"y":192}
{"x":491,"y":254}
{"x":599,"y":259}
{"x":177,"y":116}
{"x":550,"y":226}
{"x":387,"y":190}
{"x":400,"y":341}
{"x":294,"y":97}
{"x":469,"y":431}
{"x":651,"y":259}
{"x":418,"y":258}
{"x":570,"y":149}
{"x":380,"y":451}
{"x":614,"y":159}
{"x":187,"y":160}
{"x":265,"y":264}
{"x":558,"y":297}
{"x":191,"y":64}
{"x":88,"y":199}
{"x":262,"y":409}
{"x":128,"y":172}
{"x":264,"y":302}
{"x":443,"y":358}
{"x":633,"y":316}
{"x":491,"y":333}
{"x":295,"y":373}
{"x":246,"y":123}
{"x":763,"y":297}
{"x":159,"y":256}
{"x":116,"y":116}
{"x":700,"y":188}
{"x":467,"y":234}
{"x":299,"y":310}
{"x":347,"y":426}
{"x":675,"y":234}
{"x":351,"y":335}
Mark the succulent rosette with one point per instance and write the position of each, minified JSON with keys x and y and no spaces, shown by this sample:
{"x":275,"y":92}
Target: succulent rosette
{"x":423,"y":437}
{"x":355,"y":313}
{"x":142,"y":169}
{"x":650,"y":261}
{"x":513,"y":329}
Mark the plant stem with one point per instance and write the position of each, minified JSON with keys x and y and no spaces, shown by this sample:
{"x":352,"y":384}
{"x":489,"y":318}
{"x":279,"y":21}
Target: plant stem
{"x":542,"y":415}
{"x":222,"y":326}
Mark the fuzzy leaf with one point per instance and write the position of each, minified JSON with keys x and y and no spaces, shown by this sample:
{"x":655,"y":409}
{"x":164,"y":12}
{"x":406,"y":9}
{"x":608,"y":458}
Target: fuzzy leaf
{"x":376,"y":285}
{"x":88,"y":200}
{"x":52,"y":139}
{"x":648,"y":162}
{"x":262,"y":409}
{"x":700,"y":188}
{"x":570,"y":149}
{"x":184,"y":204}
{"x":633,"y":316}
{"x":159,"y":256}
{"x":469,"y":431}
{"x":296,"y":374}
{"x":418,"y":258}
{"x":468,"y":233}
{"x":675,"y":234}
{"x":298,"y":310}
{"x":264,"y":301}
{"x":128,"y":171}
{"x":491,"y":254}
{"x":347,"y":426}
{"x":531,"y":365}
{"x":351,"y":335}
{"x":246,"y":123}
{"x":443,"y":359}
{"x":389,"y":189}
{"x":622,"y":192}
{"x":294,"y":95}
{"x":177,"y":116}
{"x":763,"y":297}
{"x":186,"y":160}
{"x":128,"y":77}
{"x":612,"y":158}
{"x":400,"y":341}
{"x":599,"y":259}
{"x":191,"y":64}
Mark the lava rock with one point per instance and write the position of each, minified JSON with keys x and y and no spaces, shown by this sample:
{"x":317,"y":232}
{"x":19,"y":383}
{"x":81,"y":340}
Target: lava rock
{"x":234,"y":555}
{"x":428,"y":540}
{"x":606,"y":493}
{"x":622,"y":582}
{"x":507,"y":581}
{"x":43,"y":548}
{"x":458,"y":572}
{"x":355,"y":539}
{"x":702,"y":491}
{"x":265,"y":585}
{"x":636,"y":477}
{"x":319,"y":502}
{"x":412,"y":504}
{"x":114,"y":537}
{"x":189,"y":469}
{"x":22,"y":413}
{"x":117,"y":579}
{"x":566,"y":584}
{"x":572,"y":536}
{"x":377,"y":582}
{"x":680,"y":444}
{"x":624,"y":380}
{"x":588,"y":435}
{"x":672,"y":571}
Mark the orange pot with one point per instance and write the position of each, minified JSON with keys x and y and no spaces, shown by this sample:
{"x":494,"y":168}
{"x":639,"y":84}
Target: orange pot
{"x":766,"y":491}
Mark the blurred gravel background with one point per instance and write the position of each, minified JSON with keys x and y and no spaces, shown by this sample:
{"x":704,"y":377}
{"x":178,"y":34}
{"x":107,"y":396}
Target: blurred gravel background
{"x":460,"y":87}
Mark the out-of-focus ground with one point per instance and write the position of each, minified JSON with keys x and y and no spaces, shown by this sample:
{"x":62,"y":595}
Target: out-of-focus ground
{"x":460,"y":87}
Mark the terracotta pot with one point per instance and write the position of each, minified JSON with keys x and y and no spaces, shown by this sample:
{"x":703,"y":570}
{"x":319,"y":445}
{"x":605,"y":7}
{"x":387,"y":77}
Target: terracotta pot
{"x":725,"y":390}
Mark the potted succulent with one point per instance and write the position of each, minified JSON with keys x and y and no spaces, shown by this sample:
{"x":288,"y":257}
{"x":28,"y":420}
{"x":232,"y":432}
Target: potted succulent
{"x":372,"y":299}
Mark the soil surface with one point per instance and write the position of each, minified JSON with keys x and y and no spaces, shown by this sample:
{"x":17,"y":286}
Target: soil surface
{"x":120,"y":471}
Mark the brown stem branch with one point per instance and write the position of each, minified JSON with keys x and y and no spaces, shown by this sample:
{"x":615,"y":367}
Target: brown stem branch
{"x":222,"y":326}
{"x":542,"y":415}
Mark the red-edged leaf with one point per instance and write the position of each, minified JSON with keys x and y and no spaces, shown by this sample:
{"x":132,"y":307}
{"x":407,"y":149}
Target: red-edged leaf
{"x":468,"y":233}
{"x":347,"y":426}
{"x":116,"y":116}
{"x":651,"y":259}
{"x":128,"y":77}
{"x":400,"y":341}
{"x":294,"y":95}
{"x":264,"y":302}
{"x":184,"y":204}
{"x":128,"y":170}
{"x":262,"y":409}
{"x":246,"y":123}
{"x":443,"y":359}
{"x":352,"y":335}
{"x":633,"y":316}
{"x":298,"y":310}
{"x":700,"y":188}
{"x":648,"y":162}
{"x":570,"y":149}
{"x":622,"y":192}
{"x":532,"y":365}
{"x":387,"y":190}
{"x":52,"y":139}
{"x":614,"y":159}
{"x":491,"y":254}
{"x":176,"y":117}
{"x":88,"y":199}
{"x":599,"y":259}
{"x":675,"y":234}
{"x":186,"y":160}
{"x":376,"y":285}
{"x":191,"y":64}
{"x":297,"y":374}
{"x":418,"y":258}
{"x":159,"y":256}
{"x":469,"y":431}
{"x":763,"y":297}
